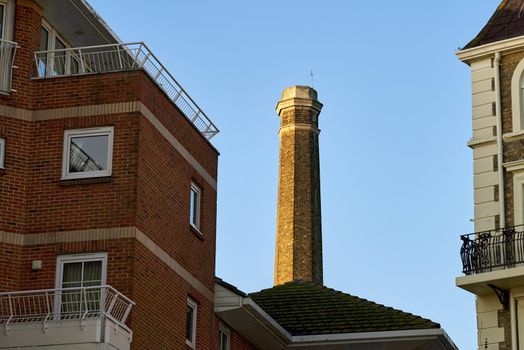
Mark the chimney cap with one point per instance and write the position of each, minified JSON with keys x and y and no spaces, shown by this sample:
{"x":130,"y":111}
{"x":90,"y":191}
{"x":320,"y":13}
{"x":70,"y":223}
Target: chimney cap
{"x":299,"y":96}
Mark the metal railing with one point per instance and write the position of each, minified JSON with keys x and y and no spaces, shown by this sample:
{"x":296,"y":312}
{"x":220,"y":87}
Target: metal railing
{"x":492,"y":250}
{"x":7,"y":58}
{"x":122,"y":57}
{"x":43,"y":306}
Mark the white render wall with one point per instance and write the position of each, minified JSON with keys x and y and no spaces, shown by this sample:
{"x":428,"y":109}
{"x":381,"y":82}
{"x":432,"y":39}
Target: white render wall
{"x":484,"y":145}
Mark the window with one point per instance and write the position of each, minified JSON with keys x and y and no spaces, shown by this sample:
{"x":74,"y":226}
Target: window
{"x":79,"y":271}
{"x":57,"y":60}
{"x":223,"y":338}
{"x":517,"y":98}
{"x":2,"y":19}
{"x":2,"y":153}
{"x":87,"y":153}
{"x":191,"y":322}
{"x":194,"y":214}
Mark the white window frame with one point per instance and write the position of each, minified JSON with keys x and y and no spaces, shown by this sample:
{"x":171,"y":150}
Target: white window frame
{"x":61,"y":260}
{"x":517,"y":98}
{"x":74,"y":258}
{"x":69,"y":134}
{"x":53,"y":36}
{"x":9,"y":13}
{"x":2,"y":153}
{"x":196,"y":189}
{"x":224,"y":330}
{"x":192,"y":342}
{"x":518,"y":198}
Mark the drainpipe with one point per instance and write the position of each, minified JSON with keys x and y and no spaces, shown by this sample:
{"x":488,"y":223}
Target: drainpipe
{"x":498,"y":112}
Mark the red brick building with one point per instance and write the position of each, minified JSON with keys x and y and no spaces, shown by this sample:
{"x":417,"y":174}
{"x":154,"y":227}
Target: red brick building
{"x":108,"y":185}
{"x":107,"y":177}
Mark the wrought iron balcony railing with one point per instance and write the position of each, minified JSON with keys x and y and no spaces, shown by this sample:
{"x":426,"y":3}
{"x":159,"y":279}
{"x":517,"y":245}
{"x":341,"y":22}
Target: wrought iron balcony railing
{"x":7,"y":58}
{"x":123,"y":57}
{"x":45,"y":306}
{"x":492,"y":250}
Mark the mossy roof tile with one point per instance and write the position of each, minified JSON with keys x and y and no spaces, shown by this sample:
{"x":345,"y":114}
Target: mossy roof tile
{"x":305,"y":308}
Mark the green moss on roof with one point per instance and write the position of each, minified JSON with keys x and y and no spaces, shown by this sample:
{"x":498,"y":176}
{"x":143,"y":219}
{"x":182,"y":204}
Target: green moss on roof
{"x":305,"y":308}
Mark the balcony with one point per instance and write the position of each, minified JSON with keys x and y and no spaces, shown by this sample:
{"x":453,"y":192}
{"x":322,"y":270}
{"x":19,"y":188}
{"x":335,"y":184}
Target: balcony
{"x":86,"y":318}
{"x":492,"y":259}
{"x":7,"y":57}
{"x":118,"y":58}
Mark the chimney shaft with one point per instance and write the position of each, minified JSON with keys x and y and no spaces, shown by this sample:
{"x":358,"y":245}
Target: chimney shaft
{"x":299,"y":225}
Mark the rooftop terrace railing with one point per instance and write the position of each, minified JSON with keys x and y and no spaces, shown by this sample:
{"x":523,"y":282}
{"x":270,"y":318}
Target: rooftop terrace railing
{"x":123,"y":57}
{"x":44,"y":306}
{"x":7,"y":58}
{"x":492,"y":250}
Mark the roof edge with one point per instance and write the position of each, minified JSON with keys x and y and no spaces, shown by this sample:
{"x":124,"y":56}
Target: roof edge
{"x":468,"y":55}
{"x":100,"y":20}
{"x":430,"y":333}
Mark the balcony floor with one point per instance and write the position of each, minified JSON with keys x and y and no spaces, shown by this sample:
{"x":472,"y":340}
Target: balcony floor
{"x":97,"y":334}
{"x":506,"y":278}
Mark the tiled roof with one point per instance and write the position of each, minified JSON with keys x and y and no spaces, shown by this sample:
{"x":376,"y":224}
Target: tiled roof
{"x":507,"y":22}
{"x":305,"y":308}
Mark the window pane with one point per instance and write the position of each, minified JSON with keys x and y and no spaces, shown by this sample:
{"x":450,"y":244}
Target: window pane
{"x":224,"y":340}
{"x":193,"y":207}
{"x":92,"y":274}
{"x":59,"y":58}
{"x":72,"y":275}
{"x":189,"y":322}
{"x":2,"y":153}
{"x":2,"y":11}
{"x":42,"y":59}
{"x":88,"y":153}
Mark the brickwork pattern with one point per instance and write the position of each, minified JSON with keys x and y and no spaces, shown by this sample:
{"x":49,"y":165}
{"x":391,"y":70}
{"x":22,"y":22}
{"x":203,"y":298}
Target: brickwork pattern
{"x":513,"y":150}
{"x":299,"y":229}
{"x":149,"y":189}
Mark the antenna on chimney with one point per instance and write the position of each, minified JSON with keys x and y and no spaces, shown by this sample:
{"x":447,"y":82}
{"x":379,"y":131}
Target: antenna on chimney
{"x":312,"y":76}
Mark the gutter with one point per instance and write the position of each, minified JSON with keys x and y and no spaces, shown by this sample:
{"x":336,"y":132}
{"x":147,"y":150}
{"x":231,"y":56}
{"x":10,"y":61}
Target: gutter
{"x":354,"y":338}
{"x":500,"y":150}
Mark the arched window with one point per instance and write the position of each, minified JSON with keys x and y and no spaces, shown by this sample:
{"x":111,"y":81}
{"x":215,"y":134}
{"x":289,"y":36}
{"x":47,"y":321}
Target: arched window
{"x":517,"y":98}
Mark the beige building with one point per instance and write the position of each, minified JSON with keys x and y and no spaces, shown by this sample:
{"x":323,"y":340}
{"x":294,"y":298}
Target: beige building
{"x":493,"y":256}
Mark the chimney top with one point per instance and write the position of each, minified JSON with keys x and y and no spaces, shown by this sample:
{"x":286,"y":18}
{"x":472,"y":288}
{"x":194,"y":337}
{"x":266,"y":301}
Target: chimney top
{"x":299,"y":96}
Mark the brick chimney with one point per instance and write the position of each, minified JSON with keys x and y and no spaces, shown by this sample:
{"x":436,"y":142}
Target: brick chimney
{"x":299,"y":225}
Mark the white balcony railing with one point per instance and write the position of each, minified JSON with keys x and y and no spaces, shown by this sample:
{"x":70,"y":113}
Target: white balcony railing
{"x":122,"y":57}
{"x":52,"y":305}
{"x":7,"y":57}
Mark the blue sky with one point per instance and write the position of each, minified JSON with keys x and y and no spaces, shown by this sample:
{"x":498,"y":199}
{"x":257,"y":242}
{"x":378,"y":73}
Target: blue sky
{"x":396,"y":172}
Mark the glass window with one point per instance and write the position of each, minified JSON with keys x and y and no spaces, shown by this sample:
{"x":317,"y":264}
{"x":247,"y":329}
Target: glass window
{"x":42,"y":57}
{"x":191,"y":316}
{"x":59,"y":58}
{"x":2,"y":153}
{"x":223,"y":340}
{"x":194,"y":214}
{"x":2,"y":20}
{"x":88,"y":153}
{"x":77,"y":272}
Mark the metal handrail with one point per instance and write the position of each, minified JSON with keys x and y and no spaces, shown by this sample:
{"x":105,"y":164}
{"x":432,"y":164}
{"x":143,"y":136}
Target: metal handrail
{"x":123,"y":57}
{"x":492,"y":250}
{"x":82,"y":303}
{"x":7,"y":58}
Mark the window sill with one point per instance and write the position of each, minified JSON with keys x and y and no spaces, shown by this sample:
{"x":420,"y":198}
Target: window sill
{"x":86,"y":181}
{"x":514,"y":136}
{"x":196,"y":231}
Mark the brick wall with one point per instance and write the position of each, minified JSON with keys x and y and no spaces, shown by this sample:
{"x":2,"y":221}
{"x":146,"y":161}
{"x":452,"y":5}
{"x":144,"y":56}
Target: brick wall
{"x":149,"y":189}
